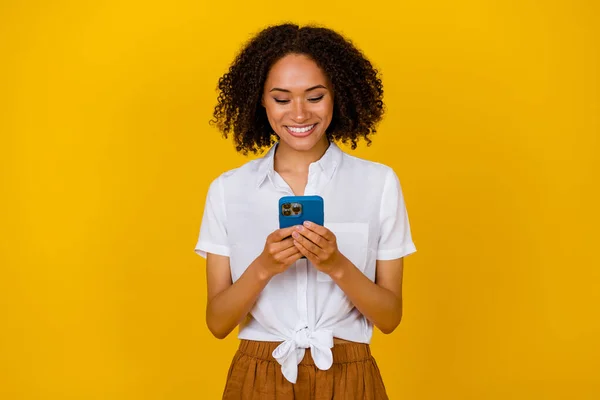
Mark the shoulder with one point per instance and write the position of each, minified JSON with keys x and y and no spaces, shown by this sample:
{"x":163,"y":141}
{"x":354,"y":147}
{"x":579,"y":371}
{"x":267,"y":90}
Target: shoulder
{"x":367,"y":168}
{"x":240,"y":175}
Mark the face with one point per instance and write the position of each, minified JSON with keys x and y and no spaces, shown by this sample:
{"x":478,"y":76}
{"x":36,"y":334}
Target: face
{"x":299,"y":102}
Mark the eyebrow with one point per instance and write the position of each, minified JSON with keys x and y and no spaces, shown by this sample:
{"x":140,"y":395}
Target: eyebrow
{"x":307,"y":90}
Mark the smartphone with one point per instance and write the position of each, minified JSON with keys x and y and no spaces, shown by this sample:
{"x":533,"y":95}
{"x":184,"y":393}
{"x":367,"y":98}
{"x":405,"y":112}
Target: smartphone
{"x":294,"y":210}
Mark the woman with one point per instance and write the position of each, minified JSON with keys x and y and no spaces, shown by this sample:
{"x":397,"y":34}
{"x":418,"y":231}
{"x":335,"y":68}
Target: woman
{"x":306,"y":297}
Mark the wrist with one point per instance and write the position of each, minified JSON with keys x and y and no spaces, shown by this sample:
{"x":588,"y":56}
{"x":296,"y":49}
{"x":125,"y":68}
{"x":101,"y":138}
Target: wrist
{"x":262,"y":274}
{"x":340,"y":268}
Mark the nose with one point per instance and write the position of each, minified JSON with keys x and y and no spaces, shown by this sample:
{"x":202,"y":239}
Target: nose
{"x":300,"y":114}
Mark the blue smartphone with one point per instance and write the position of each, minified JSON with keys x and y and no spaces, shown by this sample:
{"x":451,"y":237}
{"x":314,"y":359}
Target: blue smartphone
{"x":294,"y":210}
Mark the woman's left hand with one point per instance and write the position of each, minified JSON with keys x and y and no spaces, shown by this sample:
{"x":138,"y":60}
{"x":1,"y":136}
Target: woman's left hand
{"x":318,"y":244}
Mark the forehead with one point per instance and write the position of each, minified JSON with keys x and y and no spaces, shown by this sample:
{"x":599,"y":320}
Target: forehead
{"x":295,"y":72}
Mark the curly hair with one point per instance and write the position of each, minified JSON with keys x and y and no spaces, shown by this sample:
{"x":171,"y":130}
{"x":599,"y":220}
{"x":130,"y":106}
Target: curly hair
{"x":357,"y":88}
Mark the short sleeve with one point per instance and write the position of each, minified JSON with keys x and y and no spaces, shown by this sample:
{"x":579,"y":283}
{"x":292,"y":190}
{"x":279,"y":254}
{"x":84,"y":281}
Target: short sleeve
{"x":395,"y":239}
{"x":213,"y":234}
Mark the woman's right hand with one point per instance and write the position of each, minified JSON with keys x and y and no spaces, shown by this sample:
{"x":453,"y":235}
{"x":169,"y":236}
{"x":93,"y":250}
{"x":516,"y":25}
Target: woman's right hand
{"x":230,"y":302}
{"x":279,"y":253}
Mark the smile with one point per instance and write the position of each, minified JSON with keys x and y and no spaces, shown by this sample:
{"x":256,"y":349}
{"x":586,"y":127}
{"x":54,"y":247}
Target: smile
{"x":300,"y":131}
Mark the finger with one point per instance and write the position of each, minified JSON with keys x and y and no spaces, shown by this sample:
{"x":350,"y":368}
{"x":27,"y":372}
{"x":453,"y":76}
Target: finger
{"x":317,"y":239}
{"x":287,"y":253}
{"x":306,"y":253}
{"x":320,"y":230}
{"x":281,"y":234}
{"x":278,"y":247}
{"x":293,"y":258}
{"x":307,"y":244}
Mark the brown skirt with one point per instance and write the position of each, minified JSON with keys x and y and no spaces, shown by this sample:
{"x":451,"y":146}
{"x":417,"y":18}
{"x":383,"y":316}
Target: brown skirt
{"x":255,"y":375}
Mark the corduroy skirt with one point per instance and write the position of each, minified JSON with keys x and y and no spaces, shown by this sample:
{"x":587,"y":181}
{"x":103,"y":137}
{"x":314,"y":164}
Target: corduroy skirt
{"x":255,"y":375}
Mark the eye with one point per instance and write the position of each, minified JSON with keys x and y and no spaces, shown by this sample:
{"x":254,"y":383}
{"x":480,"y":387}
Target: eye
{"x":281,"y":101}
{"x":316,"y":99}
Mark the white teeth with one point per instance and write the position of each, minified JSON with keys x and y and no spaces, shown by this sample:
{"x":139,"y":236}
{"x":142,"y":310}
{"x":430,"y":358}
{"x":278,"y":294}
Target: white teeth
{"x":301,"y":130}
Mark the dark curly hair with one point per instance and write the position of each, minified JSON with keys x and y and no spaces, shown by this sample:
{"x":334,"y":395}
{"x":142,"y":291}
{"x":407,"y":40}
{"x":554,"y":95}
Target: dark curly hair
{"x":357,"y":88}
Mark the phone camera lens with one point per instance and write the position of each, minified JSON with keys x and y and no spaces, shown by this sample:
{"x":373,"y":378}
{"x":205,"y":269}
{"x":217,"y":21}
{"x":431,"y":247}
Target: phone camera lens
{"x":296,"y":209}
{"x":287,"y":213}
{"x":286,"y":205}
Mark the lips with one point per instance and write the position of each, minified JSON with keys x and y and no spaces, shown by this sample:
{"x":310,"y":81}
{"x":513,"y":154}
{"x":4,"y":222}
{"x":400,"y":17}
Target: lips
{"x":301,"y":131}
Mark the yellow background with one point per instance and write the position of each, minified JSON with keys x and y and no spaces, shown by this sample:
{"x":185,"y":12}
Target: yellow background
{"x":492,"y":125}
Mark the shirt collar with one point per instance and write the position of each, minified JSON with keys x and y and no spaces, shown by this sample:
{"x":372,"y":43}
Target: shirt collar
{"x":327,"y":163}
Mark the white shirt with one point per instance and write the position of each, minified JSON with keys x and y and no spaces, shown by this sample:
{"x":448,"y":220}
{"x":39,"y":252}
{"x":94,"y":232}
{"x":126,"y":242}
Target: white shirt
{"x":302,"y":307}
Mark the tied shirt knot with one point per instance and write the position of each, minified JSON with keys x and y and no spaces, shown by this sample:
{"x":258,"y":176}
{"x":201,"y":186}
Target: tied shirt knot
{"x":290,"y":352}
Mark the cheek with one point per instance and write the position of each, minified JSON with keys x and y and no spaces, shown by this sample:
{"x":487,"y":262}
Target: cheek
{"x":326,"y":110}
{"x":274,"y":113}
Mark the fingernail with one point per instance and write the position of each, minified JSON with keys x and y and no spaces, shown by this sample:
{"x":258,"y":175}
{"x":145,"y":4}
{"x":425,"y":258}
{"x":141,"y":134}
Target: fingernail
{"x":307,"y":223}
{"x":299,"y":227}
{"x":295,"y":234}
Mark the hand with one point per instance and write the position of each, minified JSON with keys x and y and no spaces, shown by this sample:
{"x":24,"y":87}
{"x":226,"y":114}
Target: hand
{"x":279,"y":253}
{"x":318,"y":244}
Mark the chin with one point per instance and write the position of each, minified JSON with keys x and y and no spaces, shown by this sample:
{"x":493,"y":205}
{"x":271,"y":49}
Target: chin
{"x":301,"y":144}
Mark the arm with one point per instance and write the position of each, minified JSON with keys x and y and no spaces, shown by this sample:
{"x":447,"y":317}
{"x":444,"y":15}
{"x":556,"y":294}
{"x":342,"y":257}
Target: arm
{"x":229,"y":303}
{"x":379,"y":301}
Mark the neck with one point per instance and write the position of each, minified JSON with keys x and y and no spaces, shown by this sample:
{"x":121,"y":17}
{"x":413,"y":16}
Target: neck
{"x":288,"y":159}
